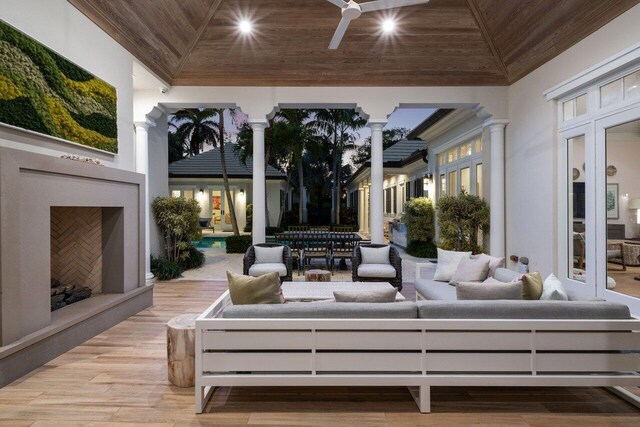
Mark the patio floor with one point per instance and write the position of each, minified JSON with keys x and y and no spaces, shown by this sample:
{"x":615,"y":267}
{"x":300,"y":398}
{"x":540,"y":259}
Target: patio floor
{"x":120,"y":377}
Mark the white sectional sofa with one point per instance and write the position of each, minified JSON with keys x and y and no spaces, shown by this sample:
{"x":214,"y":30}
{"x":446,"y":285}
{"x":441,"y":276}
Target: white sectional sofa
{"x":416,"y":344}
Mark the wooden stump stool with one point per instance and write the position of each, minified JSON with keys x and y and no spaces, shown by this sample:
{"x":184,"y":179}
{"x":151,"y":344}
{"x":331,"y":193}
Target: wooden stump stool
{"x":181,"y":350}
{"x":317,"y":276}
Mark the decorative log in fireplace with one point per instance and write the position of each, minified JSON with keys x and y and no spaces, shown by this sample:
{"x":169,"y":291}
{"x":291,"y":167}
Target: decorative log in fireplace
{"x":63,"y":295}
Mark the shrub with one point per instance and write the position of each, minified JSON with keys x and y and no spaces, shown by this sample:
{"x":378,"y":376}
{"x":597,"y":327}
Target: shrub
{"x":461,"y":218}
{"x":164,"y":269}
{"x":348,"y":216}
{"x":422,"y":249}
{"x":177,"y":219}
{"x":419,"y":217}
{"x":289,"y":218}
{"x":190,"y":258}
{"x":247,"y":228}
{"x":270,"y":231}
{"x":238,"y":244}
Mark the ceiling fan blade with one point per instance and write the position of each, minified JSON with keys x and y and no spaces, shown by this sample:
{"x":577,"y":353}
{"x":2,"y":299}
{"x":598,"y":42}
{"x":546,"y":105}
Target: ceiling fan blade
{"x":340,"y":3}
{"x":371,"y":6}
{"x":337,"y":36}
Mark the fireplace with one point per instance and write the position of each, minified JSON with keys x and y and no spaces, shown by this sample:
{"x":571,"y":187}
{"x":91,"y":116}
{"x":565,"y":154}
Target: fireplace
{"x":78,"y":227}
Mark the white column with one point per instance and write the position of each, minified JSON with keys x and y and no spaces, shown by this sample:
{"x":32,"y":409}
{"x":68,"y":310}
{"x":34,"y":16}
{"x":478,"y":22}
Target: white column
{"x":259,"y":185}
{"x":497,"y":191}
{"x":377,"y":174}
{"x":142,"y":166}
{"x":361,"y":208}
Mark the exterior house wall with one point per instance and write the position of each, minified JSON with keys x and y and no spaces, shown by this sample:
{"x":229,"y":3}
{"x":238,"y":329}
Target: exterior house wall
{"x":531,"y":162}
{"x":61,"y":27}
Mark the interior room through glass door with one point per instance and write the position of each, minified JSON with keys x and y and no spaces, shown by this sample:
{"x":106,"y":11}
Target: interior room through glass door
{"x":622,"y":204}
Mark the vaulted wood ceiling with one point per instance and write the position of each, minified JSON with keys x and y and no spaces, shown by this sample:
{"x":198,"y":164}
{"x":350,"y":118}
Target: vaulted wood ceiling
{"x":445,"y":42}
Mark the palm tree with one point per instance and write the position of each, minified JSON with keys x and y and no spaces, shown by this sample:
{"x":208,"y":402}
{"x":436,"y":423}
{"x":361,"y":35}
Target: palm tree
{"x":195,"y":127}
{"x":341,"y":125}
{"x":225,"y":177}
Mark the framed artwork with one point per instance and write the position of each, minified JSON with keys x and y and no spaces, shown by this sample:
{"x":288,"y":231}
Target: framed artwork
{"x":43,"y":92}
{"x":613,"y":206}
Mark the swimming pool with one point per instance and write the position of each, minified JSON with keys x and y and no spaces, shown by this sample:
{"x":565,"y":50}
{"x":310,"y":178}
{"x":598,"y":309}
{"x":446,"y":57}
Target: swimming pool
{"x":210,"y":242}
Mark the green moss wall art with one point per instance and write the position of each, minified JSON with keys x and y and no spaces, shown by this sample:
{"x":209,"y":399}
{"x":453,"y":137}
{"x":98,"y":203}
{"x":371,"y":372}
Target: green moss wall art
{"x":43,"y":92}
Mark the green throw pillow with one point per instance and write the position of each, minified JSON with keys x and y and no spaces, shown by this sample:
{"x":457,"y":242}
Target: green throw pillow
{"x":255,"y":290}
{"x":532,"y":286}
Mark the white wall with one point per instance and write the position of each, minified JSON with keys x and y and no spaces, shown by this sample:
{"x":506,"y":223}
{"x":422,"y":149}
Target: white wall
{"x":531,"y":141}
{"x":61,"y":27}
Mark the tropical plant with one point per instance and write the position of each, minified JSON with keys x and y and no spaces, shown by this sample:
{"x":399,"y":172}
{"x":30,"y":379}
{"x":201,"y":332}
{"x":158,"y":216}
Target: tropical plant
{"x":191,"y":257}
{"x":163,"y":269}
{"x":349,"y":216}
{"x":461,"y":219}
{"x":419,"y":217}
{"x":196,"y":127}
{"x":223,"y":162}
{"x":177,"y":219}
{"x":341,"y":126}
{"x":390,"y":137}
{"x":176,"y":147}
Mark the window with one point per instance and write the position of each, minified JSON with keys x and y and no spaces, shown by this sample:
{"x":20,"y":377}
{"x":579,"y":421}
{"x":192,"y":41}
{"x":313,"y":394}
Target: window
{"x":465,"y":150}
{"x":443,"y":184}
{"x":187,"y":194}
{"x":452,"y":155}
{"x":575,"y":107}
{"x":479,"y":145}
{"x":611,"y":93}
{"x":453,"y":183}
{"x":407,"y":192}
{"x":176,"y":193}
{"x":442,"y":159}
{"x":479,"y":180}
{"x":576,"y":205}
{"x":387,"y":200}
{"x":632,"y":85}
{"x":465,"y":180}
{"x":417,"y":188}
{"x":394,"y":199}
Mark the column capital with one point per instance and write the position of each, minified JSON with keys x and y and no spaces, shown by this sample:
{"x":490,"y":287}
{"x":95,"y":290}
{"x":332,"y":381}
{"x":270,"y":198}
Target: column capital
{"x":258,"y":123}
{"x":495,"y":124}
{"x":376,"y":124}
{"x":144,"y":124}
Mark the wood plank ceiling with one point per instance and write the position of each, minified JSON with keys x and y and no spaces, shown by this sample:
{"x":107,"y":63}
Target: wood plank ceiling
{"x":442,"y":43}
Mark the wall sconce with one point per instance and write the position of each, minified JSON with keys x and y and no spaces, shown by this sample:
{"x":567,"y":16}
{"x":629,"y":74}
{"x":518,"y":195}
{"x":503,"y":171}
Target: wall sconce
{"x":429,"y":176}
{"x":242,"y":191}
{"x":200,"y":196}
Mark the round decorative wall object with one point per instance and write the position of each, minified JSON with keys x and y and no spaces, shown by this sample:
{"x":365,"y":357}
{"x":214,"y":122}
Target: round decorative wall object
{"x":612,"y":170}
{"x":576,"y":173}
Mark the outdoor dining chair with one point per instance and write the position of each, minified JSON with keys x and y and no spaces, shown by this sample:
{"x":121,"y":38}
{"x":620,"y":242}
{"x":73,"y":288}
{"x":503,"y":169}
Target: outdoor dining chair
{"x":317,"y":246}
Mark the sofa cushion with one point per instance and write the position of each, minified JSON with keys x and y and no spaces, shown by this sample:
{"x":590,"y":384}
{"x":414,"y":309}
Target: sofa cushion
{"x":532,"y":288}
{"x":553,"y":289}
{"x":494,"y":263}
{"x":255,"y":290}
{"x":470,"y":270}
{"x":323,"y":310}
{"x":257,"y":270}
{"x":489,"y":291}
{"x":378,"y":295}
{"x":375,"y":255}
{"x":377,"y":270}
{"x":522,"y":310}
{"x":506,"y":275}
{"x":448,"y":262}
{"x":434,"y":290}
{"x":269,"y":255}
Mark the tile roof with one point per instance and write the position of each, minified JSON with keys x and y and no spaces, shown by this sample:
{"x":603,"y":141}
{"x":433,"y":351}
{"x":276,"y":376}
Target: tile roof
{"x":208,"y":165}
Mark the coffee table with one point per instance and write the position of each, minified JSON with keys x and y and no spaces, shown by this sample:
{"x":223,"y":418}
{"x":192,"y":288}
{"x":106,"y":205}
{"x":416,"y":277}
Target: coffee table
{"x":317,"y":291}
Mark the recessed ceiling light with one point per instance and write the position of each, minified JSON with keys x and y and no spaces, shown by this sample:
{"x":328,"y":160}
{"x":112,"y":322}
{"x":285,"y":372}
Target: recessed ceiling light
{"x":388,"y":26}
{"x":245,"y":27}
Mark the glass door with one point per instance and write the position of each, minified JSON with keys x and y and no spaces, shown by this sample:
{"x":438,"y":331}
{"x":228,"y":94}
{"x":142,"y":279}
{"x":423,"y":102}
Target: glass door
{"x":618,"y":203}
{"x":217,"y":210}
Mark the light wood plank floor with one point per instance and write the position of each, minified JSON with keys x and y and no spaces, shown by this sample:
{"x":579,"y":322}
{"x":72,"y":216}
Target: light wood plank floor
{"x":120,"y":378}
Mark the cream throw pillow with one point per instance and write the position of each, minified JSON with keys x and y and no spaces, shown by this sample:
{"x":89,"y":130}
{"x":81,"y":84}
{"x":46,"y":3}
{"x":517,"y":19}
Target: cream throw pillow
{"x":255,"y":290}
{"x":494,"y":263}
{"x":448,"y":264}
{"x":470,"y":270}
{"x":375,"y":255}
{"x":553,"y":289}
{"x":268,"y":255}
{"x":385,"y":295}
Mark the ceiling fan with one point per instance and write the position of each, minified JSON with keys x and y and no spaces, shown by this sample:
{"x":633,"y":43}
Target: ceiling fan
{"x":352,"y":10}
